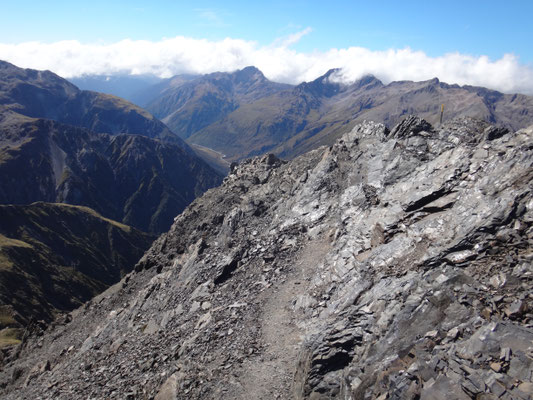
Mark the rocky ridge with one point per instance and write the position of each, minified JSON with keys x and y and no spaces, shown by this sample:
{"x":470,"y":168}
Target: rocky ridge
{"x":391,"y":265}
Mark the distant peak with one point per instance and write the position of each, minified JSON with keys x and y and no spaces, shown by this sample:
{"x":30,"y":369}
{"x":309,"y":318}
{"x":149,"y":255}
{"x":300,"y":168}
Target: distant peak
{"x":250,"y":69}
{"x":367,"y":80}
{"x":326,"y":85}
{"x":332,"y":71}
{"x":249,"y":73}
{"x":332,"y":76}
{"x":339,"y":77}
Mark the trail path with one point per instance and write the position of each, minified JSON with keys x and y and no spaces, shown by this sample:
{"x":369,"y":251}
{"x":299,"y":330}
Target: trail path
{"x":271,"y":376}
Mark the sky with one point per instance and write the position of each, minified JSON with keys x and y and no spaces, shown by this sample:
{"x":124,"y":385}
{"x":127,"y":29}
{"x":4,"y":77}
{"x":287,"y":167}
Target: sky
{"x":485,"y":43}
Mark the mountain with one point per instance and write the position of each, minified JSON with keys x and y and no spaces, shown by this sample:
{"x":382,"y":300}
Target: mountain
{"x":54,"y":257}
{"x":393,"y":264}
{"x":243,"y":114}
{"x":130,"y":178}
{"x":188,"y":103}
{"x":60,"y":144}
{"x":292,"y":122}
{"x":43,"y":94}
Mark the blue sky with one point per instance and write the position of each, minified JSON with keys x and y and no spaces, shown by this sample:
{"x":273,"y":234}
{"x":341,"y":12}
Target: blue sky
{"x":490,"y":28}
{"x":436,"y":28}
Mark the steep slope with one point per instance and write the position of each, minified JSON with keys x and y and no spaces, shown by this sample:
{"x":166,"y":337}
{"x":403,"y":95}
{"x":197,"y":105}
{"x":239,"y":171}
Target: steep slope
{"x":188,"y":104}
{"x":130,"y":178}
{"x":43,"y":94}
{"x":54,"y":257}
{"x":393,"y":264}
{"x":297,"y":120}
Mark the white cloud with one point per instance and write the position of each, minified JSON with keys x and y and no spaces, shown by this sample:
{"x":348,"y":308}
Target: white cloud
{"x":278,"y":61}
{"x":291,"y":39}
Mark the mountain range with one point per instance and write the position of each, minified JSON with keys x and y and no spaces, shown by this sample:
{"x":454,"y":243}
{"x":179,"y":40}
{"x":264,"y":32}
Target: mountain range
{"x":139,"y":181}
{"x":43,"y":94}
{"x":60,"y":144}
{"x":242,"y":114}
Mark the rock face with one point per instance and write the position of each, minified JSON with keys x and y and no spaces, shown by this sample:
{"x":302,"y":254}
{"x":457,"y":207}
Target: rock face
{"x":391,"y":265}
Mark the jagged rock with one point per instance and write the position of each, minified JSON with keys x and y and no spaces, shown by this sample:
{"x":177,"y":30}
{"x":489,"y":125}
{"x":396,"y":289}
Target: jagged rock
{"x":516,"y":309}
{"x":412,"y":125}
{"x":359,"y":271}
{"x":493,"y":132}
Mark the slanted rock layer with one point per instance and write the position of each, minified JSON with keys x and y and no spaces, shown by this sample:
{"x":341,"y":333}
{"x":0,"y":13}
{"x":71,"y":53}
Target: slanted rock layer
{"x":389,"y":265}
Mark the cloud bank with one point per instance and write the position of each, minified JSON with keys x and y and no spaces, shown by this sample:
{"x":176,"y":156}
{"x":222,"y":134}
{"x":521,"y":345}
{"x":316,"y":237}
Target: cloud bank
{"x":278,"y":61}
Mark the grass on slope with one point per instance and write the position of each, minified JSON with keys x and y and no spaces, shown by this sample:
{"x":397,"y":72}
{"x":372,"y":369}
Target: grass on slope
{"x":5,"y":242}
{"x":10,"y":336}
{"x":53,"y":257}
{"x":90,"y":211}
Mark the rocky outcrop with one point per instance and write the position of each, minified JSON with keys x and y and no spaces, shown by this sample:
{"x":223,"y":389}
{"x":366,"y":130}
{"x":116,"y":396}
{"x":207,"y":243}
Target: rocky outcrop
{"x":391,"y":265}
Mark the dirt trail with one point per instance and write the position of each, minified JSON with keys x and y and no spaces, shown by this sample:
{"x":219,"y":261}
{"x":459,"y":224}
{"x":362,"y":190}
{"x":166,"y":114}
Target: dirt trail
{"x":271,"y":376}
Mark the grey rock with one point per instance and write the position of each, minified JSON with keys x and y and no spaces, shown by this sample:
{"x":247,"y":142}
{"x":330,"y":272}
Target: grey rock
{"x":372,"y":277}
{"x":516,"y":309}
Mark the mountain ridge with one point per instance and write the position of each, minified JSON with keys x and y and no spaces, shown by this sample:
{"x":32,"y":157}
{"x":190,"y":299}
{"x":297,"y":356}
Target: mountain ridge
{"x":129,"y":178}
{"x":394,"y":263}
{"x":299,"y":118}
{"x":43,"y":94}
{"x":60,"y":144}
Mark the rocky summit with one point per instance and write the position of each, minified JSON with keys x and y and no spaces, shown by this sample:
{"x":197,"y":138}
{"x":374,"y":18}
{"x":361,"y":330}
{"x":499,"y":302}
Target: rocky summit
{"x":392,"y":265}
